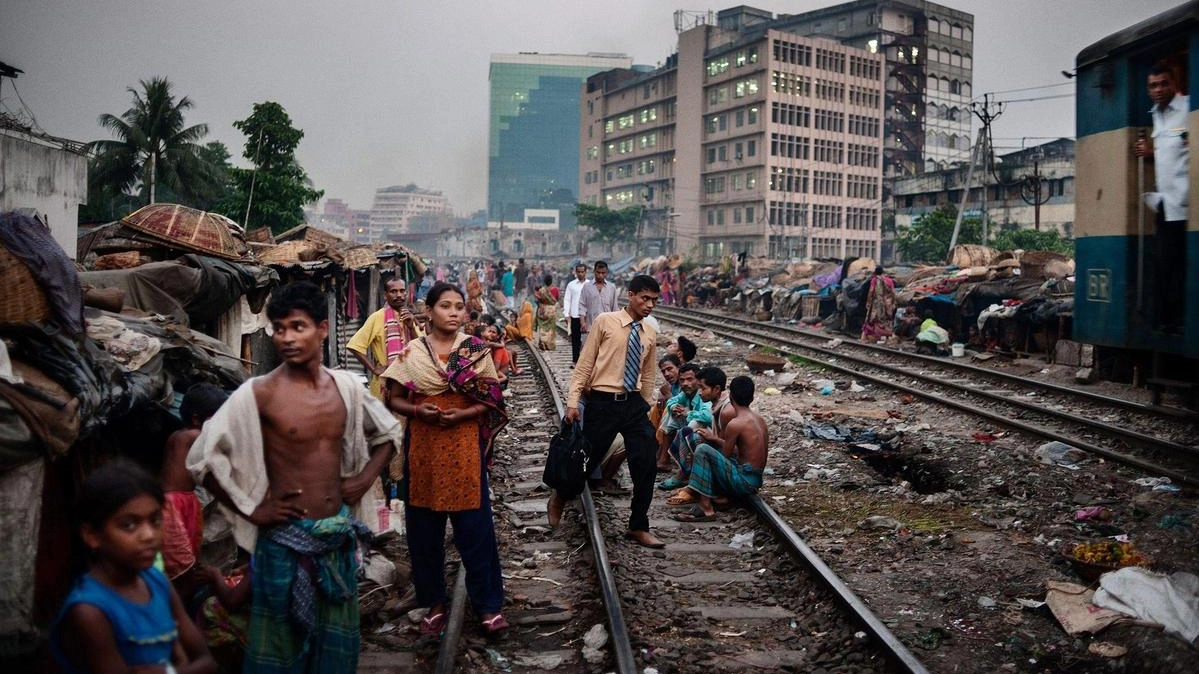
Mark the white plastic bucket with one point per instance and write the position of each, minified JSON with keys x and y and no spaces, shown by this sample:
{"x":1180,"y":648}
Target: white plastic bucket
{"x":958,"y":350}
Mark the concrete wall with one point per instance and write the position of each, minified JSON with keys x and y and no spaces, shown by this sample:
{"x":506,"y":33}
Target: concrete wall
{"x":40,"y":174}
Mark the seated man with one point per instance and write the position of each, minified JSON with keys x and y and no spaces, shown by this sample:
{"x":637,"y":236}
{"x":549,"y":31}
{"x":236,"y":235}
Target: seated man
{"x":713,"y":391}
{"x":669,"y":366}
{"x":685,"y":410}
{"x":731,"y":466}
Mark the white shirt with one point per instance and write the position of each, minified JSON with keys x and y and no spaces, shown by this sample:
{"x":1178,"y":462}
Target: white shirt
{"x":574,"y":290}
{"x":1171,"y":155}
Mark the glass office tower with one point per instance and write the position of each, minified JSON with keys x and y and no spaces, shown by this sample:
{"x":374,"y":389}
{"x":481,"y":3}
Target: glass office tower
{"x":533,"y":158}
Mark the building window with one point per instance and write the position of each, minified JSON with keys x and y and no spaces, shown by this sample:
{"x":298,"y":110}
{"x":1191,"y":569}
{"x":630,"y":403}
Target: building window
{"x":739,"y":118}
{"x":749,"y":213}
{"x":753,"y":115}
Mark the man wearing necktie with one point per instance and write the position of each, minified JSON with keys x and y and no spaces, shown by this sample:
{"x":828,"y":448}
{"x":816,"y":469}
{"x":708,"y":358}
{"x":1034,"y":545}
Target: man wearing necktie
{"x":615,"y":375}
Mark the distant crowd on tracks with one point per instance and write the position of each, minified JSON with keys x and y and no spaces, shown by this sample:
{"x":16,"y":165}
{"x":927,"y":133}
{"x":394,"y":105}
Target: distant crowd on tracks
{"x":296,"y":457}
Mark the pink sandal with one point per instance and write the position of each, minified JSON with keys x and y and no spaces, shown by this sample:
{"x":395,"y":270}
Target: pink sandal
{"x":433,"y":625}
{"x":495,"y":624}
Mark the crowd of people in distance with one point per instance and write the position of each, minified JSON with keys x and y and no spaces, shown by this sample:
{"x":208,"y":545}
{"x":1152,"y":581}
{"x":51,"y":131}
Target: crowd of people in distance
{"x":296,"y":456}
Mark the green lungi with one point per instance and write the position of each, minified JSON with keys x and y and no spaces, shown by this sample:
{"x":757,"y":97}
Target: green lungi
{"x":713,"y":474}
{"x":304,"y":616}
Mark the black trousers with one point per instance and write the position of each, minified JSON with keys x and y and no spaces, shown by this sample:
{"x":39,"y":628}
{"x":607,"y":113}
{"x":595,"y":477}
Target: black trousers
{"x":602,"y":421}
{"x":576,"y":339}
{"x":1169,"y":269}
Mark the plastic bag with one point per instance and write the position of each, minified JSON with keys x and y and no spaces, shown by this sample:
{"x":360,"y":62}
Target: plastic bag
{"x":566,"y":463}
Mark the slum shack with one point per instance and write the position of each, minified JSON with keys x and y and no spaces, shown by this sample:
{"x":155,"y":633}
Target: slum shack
{"x":93,"y":367}
{"x":1015,"y":302}
{"x":352,"y":276}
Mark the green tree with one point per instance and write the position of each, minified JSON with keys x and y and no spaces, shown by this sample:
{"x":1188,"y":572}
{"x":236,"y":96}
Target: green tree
{"x":927,"y":239}
{"x":1031,"y":239}
{"x":153,"y":146}
{"x":607,"y":225}
{"x":277,"y":188}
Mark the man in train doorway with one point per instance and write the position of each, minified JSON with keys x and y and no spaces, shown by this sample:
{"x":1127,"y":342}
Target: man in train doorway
{"x":1170,"y":151}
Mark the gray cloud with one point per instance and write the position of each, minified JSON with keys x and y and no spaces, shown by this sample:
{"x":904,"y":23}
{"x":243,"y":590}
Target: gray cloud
{"x":395,"y":91}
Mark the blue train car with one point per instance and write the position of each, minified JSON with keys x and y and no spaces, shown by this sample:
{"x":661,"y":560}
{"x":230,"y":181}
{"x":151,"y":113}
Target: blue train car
{"x":1120,"y":290}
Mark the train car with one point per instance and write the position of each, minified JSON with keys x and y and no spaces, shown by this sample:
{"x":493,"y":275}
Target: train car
{"x":1121,"y":296}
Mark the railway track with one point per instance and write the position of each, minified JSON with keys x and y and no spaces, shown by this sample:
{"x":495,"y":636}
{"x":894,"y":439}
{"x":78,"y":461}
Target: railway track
{"x":1152,"y":439}
{"x":584,"y":599}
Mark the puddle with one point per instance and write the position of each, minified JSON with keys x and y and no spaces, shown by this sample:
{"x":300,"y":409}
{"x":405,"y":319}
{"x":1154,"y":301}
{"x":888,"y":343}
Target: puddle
{"x":925,"y":476}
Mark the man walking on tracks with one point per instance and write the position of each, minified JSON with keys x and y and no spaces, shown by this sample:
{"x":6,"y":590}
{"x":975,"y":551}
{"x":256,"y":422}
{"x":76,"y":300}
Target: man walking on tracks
{"x":615,"y":373}
{"x":571,"y":304}
{"x":598,"y":297}
{"x":1171,"y":161}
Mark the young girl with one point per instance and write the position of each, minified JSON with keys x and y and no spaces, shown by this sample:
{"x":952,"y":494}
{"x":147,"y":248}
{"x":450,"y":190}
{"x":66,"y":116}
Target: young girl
{"x":123,"y":616}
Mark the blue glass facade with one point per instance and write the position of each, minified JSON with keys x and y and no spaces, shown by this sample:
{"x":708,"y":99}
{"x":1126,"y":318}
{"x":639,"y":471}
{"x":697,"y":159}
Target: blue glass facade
{"x":533,"y":160}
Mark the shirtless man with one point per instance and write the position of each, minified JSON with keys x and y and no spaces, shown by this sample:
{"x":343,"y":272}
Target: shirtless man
{"x":182,"y":515}
{"x":734,"y":470}
{"x":320,"y":441}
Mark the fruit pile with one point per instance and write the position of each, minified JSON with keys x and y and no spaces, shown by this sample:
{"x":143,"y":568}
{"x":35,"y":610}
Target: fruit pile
{"x":1108,"y":553}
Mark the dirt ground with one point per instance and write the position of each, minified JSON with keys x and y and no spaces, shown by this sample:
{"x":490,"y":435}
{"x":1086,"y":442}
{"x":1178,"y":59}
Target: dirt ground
{"x":944,"y":539}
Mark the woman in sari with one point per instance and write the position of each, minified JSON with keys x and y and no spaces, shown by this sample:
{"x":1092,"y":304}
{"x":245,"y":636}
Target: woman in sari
{"x":547,"y":314}
{"x":880,"y":307}
{"x":474,"y":292}
{"x":522,"y":327}
{"x":446,"y":385}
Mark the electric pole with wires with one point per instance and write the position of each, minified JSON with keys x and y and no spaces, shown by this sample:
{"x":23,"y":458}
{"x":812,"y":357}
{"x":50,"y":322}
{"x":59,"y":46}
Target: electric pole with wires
{"x":986,"y":111}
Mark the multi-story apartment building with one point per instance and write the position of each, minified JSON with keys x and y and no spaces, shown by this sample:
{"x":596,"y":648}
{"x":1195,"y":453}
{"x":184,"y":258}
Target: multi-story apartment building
{"x":533,"y":161}
{"x":928,"y":73}
{"x":394,"y":208}
{"x":749,"y":139}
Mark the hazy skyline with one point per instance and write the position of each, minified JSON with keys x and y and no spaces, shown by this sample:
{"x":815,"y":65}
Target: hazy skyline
{"x":390,"y":93}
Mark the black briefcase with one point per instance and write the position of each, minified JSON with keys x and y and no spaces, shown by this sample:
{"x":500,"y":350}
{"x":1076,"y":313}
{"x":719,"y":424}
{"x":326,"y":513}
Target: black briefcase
{"x":566,"y":463}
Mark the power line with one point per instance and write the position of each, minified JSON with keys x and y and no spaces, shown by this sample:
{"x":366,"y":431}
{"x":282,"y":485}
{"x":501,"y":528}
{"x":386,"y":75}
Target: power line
{"x":1035,"y":98}
{"x":1012,"y":91}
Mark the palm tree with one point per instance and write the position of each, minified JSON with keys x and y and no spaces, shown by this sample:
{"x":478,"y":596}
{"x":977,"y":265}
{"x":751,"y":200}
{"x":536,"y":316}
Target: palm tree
{"x":153,"y":146}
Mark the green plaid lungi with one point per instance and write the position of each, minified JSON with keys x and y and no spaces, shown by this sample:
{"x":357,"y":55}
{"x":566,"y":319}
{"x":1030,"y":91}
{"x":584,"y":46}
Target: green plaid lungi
{"x":304,"y":617}
{"x":713,"y":474}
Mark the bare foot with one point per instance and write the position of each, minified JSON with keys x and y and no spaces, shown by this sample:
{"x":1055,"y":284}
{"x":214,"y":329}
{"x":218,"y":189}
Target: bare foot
{"x":553,"y":510}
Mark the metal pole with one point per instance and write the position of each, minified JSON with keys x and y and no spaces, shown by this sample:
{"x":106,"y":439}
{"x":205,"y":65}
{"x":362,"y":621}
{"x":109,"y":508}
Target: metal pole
{"x":1036,"y":171}
{"x":957,"y":222}
{"x":986,"y":170}
{"x":1140,"y":227}
{"x":253,"y":179}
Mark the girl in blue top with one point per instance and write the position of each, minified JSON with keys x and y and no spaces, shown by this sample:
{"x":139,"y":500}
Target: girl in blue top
{"x":122,"y":615}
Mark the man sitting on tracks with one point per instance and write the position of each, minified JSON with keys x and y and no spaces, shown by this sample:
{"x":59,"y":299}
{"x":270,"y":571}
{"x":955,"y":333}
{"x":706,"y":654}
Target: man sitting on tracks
{"x":732,"y":465}
{"x":684,"y":410}
{"x":713,"y":390}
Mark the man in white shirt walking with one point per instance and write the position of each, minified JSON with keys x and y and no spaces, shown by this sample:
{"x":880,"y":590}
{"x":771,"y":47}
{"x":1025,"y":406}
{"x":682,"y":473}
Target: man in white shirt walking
{"x":572,"y":306}
{"x":1170,"y":151}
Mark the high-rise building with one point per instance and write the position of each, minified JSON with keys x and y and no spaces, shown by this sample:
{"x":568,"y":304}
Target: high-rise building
{"x":532,"y":152}
{"x":749,"y":139}
{"x":394,"y":209}
{"x":929,"y":50}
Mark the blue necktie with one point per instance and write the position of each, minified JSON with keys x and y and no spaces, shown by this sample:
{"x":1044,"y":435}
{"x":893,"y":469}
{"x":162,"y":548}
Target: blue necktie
{"x":632,"y":359}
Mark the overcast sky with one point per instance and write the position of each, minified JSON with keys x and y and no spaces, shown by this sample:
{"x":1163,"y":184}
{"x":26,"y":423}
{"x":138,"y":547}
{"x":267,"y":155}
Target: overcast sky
{"x":395,"y":91}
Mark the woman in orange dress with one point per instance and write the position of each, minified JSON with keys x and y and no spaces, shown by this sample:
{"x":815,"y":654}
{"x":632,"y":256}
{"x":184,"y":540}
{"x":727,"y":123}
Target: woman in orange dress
{"x":474,"y":293}
{"x":446,"y":385}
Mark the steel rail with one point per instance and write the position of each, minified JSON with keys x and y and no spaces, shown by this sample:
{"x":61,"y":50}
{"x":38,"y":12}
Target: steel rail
{"x":997,"y":418}
{"x":899,"y":653}
{"x":622,"y":648}
{"x":447,"y":653}
{"x":861,"y":613}
{"x":1126,"y":433}
{"x":1133,"y":405}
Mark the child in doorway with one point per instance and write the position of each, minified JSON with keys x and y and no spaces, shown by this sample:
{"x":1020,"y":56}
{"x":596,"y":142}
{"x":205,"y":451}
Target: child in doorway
{"x":182,"y":517}
{"x":123,"y":614}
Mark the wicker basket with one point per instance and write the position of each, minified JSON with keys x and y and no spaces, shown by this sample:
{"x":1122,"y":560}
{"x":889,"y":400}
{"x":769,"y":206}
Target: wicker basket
{"x":23,"y":300}
{"x":761,"y":362}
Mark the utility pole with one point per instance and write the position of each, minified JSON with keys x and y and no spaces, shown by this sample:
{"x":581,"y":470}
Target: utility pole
{"x":986,"y":114}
